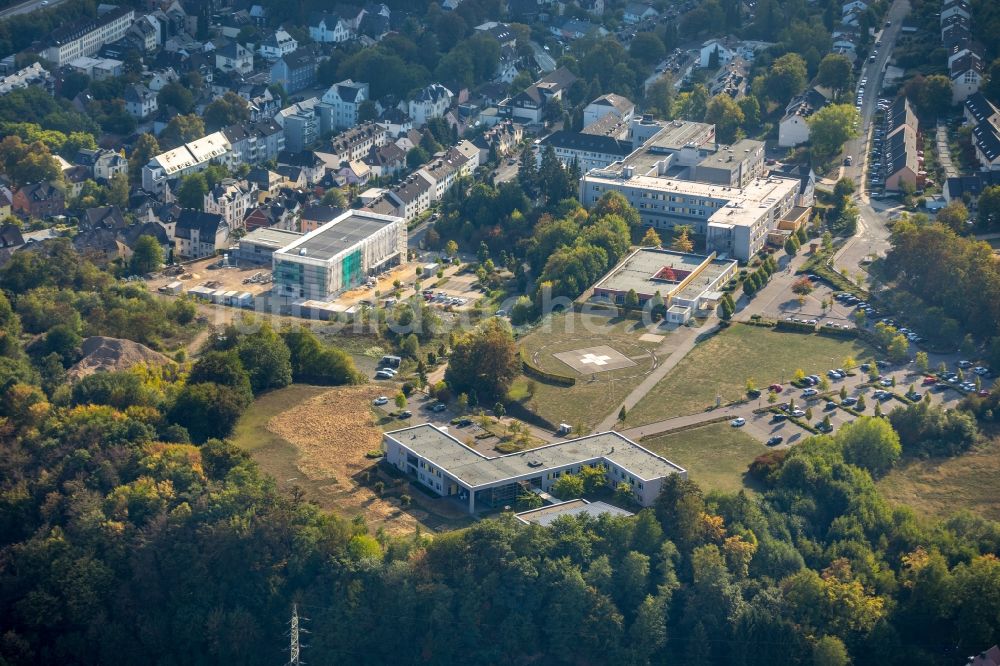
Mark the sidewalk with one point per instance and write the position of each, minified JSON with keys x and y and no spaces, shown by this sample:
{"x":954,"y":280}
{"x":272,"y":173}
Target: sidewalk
{"x":944,"y":152}
{"x":690,"y":337}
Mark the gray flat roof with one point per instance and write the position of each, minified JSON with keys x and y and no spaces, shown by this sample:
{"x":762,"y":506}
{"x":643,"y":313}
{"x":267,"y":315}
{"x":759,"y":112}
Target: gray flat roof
{"x":474,"y":469}
{"x":546,"y":514}
{"x":638,"y":271}
{"x":271,"y":237}
{"x":341,"y":233}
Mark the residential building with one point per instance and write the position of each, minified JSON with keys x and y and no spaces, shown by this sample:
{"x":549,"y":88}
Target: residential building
{"x":527,"y":107}
{"x":232,"y":200}
{"x":86,"y":36}
{"x":500,"y":140}
{"x":586,"y":150}
{"x":102,"y":163}
{"x":986,"y":141}
{"x":967,"y":74}
{"x":431,"y":102}
{"x":98,"y":69}
{"x":198,"y":234}
{"x":637,"y":12}
{"x":330,"y":28}
{"x":689,"y":284}
{"x":147,"y":32}
{"x":793,"y":129}
{"x":253,"y":143}
{"x":901,"y":153}
{"x":140,"y":101}
{"x":234,"y":57}
{"x":387,"y":160}
{"x":162,"y":78}
{"x":407,"y":199}
{"x":277,"y":45}
{"x":448,"y":468}
{"x":344,"y":99}
{"x":338,"y":256}
{"x":301,"y":127}
{"x":294,"y":71}
{"x":572,"y":29}
{"x":32,"y":75}
{"x":312,"y":165}
{"x":103,"y":217}
{"x":443,"y":170}
{"x":622,"y":107}
{"x":315,"y":216}
{"x":39,"y":200}
{"x":969,"y":187}
{"x":984,"y":118}
{"x":356,"y":143}
{"x":189,"y":158}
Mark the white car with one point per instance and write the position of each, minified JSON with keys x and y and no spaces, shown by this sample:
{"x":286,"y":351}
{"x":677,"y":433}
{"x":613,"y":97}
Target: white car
{"x":798,"y":413}
{"x":738,"y":422}
{"x":809,"y":392}
{"x":381,"y":400}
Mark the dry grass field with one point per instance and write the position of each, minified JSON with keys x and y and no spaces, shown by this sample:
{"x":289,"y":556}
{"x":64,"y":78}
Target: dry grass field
{"x":316,"y":438}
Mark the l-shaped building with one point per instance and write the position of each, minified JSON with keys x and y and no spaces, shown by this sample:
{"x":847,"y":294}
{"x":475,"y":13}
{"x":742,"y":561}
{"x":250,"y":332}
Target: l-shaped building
{"x":447,"y":467}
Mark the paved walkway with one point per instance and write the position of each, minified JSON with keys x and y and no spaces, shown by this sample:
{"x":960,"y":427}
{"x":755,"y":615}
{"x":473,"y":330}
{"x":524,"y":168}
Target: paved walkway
{"x":944,"y":152}
{"x":684,"y":340}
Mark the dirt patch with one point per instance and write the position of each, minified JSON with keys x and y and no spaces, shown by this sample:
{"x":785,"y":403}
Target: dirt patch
{"x":102,"y":354}
{"x":332,"y":432}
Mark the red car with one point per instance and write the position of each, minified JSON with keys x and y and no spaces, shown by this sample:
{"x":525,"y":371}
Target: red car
{"x":930,"y":380}
{"x":777,"y":388}
{"x":984,"y":393}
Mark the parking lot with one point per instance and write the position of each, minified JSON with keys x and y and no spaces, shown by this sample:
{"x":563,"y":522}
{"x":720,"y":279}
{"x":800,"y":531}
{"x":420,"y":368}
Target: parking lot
{"x":880,"y":154}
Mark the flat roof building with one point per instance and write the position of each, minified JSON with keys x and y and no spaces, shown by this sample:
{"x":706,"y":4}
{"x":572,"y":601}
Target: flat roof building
{"x":545,"y":515}
{"x":257,"y":246}
{"x":686,"y":282}
{"x":339,"y":255}
{"x":448,"y":467}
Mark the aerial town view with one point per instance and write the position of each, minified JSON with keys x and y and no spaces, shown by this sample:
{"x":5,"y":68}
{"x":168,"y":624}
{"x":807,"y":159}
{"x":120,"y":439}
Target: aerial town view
{"x":494,"y":332}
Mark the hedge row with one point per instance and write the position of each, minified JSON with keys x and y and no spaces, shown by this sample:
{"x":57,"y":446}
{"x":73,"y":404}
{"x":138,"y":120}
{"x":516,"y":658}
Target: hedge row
{"x":794,"y":326}
{"x":838,"y":332}
{"x":531,"y":370}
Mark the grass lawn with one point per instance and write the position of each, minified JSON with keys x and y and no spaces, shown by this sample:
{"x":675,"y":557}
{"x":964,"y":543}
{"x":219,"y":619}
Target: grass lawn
{"x":722,"y":365}
{"x":716,"y":456}
{"x":592,"y":397}
{"x":940,"y":487}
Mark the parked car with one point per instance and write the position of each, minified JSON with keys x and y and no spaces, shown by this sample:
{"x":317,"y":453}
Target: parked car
{"x":847,"y":402}
{"x":405,"y":414}
{"x":964,"y":364}
{"x":809,"y":392}
{"x":381,"y":400}
{"x":738,"y":422}
{"x":383,"y":374}
{"x":774,"y":441}
{"x":439,"y":407}
{"x":824,"y":427}
{"x":777,"y":388}
{"x":798,"y":413}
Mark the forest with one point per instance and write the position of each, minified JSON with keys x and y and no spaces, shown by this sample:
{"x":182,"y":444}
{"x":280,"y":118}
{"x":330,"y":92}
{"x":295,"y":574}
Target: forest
{"x":131,"y":531}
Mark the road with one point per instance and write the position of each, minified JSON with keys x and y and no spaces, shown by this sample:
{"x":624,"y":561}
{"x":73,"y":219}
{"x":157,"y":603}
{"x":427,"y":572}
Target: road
{"x":872,"y":237}
{"x":545,"y":61}
{"x":28,"y":7}
{"x":762,"y":426}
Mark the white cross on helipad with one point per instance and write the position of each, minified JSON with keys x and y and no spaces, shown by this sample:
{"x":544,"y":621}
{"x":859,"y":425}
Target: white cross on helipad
{"x":595,"y":359}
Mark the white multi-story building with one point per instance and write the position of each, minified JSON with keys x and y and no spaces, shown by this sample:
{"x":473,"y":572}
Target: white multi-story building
{"x":449,"y":468}
{"x":431,"y":102}
{"x":232,"y":200}
{"x":330,"y":29}
{"x":344,"y":99}
{"x":189,"y":158}
{"x":277,"y":45}
{"x":87,"y":37}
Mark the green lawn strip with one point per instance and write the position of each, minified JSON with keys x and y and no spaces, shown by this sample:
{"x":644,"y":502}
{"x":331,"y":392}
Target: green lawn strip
{"x":721,"y":366}
{"x":716,"y":456}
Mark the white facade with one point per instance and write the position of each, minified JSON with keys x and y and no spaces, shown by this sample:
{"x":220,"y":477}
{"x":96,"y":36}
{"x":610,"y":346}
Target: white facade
{"x":232,"y":200}
{"x":793,"y":130}
{"x":278,"y":45}
{"x":431,"y":102}
{"x":89,"y":39}
{"x":448,"y":467}
{"x":331,"y":29}
{"x":345,"y":98}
